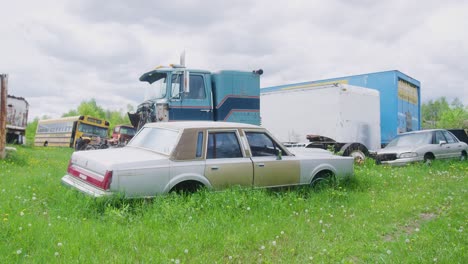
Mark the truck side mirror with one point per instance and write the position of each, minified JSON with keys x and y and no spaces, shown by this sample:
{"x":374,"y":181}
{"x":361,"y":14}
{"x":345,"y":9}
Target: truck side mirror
{"x":186,"y":81}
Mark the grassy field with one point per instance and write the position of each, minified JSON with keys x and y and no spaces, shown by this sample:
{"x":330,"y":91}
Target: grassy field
{"x":414,"y":214}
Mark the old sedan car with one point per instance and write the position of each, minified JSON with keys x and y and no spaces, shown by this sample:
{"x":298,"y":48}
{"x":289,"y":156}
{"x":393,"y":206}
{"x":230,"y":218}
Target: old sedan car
{"x":424,"y":145}
{"x":184,"y":156}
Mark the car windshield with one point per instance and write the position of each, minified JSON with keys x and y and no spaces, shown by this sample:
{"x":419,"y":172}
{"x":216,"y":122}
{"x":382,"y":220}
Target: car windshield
{"x":156,"y":139}
{"x":156,"y":86}
{"x":411,"y":140}
{"x":127,"y":131}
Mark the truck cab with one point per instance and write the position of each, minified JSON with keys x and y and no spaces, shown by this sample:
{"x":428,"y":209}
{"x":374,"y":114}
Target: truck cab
{"x":176,"y":93}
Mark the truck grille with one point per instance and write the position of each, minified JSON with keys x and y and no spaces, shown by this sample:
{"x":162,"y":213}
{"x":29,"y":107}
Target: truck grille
{"x":385,"y":157}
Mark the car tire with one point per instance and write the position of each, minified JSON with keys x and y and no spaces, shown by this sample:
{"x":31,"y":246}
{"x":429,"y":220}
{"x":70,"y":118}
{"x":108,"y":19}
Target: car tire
{"x":356,"y":150}
{"x":323,"y":179}
{"x":428,"y":159}
{"x":463,"y":156}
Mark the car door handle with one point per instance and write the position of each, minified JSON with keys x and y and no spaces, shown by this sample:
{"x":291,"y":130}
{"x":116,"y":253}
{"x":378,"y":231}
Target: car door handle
{"x":261,"y":165}
{"x":215,"y":168}
{"x":205,"y":110}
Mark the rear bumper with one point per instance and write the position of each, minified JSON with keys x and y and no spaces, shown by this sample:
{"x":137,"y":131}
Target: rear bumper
{"x":83,"y":187}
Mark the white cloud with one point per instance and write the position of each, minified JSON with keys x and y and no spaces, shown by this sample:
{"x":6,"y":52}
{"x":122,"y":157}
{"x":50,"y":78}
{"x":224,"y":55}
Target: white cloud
{"x":59,"y":53}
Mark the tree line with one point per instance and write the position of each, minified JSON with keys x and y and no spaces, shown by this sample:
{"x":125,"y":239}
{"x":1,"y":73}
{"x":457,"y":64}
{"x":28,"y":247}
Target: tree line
{"x":440,"y":113}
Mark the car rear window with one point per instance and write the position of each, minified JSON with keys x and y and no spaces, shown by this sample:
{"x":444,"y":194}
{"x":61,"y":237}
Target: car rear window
{"x":156,"y":139}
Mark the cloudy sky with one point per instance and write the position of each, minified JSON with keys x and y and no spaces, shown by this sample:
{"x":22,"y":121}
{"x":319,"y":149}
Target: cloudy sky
{"x":59,"y":53}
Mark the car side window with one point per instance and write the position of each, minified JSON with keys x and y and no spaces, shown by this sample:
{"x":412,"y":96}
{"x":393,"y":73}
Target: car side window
{"x":199,"y":145}
{"x":449,"y":137}
{"x":439,"y":137}
{"x":223,"y":145}
{"x":261,"y":144}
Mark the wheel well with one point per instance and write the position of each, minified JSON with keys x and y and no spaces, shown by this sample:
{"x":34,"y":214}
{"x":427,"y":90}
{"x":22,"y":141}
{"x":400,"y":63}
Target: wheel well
{"x":429,"y":155}
{"x":323,"y":175}
{"x":464,"y":153}
{"x":189,"y":186}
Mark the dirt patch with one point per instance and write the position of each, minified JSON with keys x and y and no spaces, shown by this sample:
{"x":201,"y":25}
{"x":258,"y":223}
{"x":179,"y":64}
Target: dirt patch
{"x":410,"y":228}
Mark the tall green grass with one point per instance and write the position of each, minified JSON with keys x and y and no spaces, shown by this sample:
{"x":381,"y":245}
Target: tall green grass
{"x":413,"y":214}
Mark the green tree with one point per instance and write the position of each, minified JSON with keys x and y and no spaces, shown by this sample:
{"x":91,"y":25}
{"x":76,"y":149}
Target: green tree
{"x":31,"y":129}
{"x":440,"y":114}
{"x":432,"y":110}
{"x":87,"y":108}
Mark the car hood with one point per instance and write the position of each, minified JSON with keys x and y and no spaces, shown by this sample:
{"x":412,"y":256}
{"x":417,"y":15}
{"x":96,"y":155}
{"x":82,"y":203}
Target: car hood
{"x":124,"y":158}
{"x":396,"y":149}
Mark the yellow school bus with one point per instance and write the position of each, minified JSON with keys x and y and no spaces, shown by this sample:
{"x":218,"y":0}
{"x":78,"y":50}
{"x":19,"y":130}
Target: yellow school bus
{"x":63,"y":132}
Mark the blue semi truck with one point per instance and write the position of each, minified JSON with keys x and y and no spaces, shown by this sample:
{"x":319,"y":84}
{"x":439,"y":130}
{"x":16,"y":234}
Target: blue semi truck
{"x":400,"y":99}
{"x":176,"y":93}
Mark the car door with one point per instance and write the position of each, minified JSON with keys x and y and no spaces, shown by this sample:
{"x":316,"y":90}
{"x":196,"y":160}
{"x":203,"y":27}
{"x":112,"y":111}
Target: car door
{"x":268,"y":170}
{"x":454,"y":147}
{"x":226,"y":162}
{"x":441,"y":149}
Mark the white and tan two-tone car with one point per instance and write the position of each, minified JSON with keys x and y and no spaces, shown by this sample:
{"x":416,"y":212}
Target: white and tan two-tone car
{"x":184,"y":156}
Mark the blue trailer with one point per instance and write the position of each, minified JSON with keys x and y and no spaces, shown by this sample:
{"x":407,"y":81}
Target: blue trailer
{"x":400,"y":99}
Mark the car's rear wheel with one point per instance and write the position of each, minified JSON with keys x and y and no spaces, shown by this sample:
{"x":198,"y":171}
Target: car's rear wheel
{"x":187,"y":187}
{"x":323,"y":179}
{"x":428,"y":158}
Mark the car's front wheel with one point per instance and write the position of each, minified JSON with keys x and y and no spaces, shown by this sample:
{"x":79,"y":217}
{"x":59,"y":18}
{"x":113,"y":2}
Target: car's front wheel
{"x":323,"y":179}
{"x":428,"y":158}
{"x":463,"y":156}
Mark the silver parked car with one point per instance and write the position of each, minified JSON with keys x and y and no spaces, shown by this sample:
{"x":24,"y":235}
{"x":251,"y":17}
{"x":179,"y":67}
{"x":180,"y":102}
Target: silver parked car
{"x":424,"y":145}
{"x":184,"y":156}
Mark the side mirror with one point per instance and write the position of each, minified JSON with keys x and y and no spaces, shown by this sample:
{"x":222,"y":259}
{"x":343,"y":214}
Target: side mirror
{"x":186,"y":81}
{"x":279,"y":154}
{"x":442,"y":142}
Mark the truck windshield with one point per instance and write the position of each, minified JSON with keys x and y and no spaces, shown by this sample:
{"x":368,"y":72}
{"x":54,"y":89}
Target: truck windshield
{"x":156,"y":87}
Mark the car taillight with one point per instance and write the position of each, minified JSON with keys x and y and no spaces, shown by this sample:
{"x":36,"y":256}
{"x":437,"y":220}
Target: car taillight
{"x":107,"y":180}
{"x":71,"y":170}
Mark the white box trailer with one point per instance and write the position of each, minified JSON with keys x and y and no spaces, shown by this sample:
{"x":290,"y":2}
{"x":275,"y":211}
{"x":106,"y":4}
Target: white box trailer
{"x":349,"y":115}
